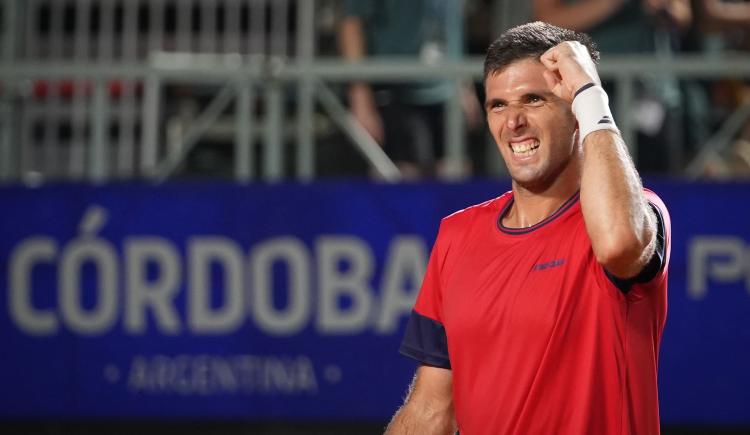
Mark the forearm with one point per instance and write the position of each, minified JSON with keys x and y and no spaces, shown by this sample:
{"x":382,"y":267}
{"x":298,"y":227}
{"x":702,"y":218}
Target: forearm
{"x":617,"y":216}
{"x":681,"y":13}
{"x":352,"y":46}
{"x":580,"y":16}
{"x":727,"y":14}
{"x":416,"y":420}
{"x":351,"y":39}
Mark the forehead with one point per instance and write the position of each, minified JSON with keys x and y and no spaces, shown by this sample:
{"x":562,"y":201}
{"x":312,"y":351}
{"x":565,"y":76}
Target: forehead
{"x":516,"y":79}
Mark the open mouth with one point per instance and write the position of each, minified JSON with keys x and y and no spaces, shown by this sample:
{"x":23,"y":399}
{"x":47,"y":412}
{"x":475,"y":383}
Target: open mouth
{"x":524,"y":148}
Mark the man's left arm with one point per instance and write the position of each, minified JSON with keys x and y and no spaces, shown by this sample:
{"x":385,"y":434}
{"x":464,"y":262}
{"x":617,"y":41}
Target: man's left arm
{"x":619,"y":221}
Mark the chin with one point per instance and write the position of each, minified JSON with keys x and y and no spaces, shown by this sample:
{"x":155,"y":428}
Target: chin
{"x":533,"y":182}
{"x":526,"y":175}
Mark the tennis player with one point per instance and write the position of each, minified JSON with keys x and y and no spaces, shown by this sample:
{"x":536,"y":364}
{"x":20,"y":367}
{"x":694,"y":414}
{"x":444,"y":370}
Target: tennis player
{"x":541,"y":311}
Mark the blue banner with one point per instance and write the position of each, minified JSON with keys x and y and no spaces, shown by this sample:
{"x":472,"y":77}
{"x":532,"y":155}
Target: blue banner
{"x":288,"y":301}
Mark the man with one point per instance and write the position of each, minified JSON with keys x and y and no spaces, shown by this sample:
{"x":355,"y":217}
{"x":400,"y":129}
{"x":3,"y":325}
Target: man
{"x":541,"y":311}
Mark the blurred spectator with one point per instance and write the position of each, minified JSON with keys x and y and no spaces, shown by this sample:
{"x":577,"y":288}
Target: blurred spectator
{"x":725,"y":16}
{"x":629,"y":27}
{"x":722,"y":27}
{"x":406,"y":119}
{"x":490,"y":18}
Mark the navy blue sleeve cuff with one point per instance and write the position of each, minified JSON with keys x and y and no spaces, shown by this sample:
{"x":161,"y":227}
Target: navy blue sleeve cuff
{"x":425,"y":341}
{"x":653,"y":267}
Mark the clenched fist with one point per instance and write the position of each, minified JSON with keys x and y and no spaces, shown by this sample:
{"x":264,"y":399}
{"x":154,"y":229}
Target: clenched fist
{"x":569,"y":67}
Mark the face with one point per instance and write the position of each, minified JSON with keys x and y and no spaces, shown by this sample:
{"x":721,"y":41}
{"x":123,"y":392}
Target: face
{"x":534,"y":129}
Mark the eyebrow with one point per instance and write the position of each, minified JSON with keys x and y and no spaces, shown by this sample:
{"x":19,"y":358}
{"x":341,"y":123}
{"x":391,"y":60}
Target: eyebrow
{"x":492,"y":101}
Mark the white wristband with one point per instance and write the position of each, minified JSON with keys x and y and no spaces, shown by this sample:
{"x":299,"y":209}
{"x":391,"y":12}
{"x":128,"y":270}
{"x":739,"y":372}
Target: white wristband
{"x":591,"y":109}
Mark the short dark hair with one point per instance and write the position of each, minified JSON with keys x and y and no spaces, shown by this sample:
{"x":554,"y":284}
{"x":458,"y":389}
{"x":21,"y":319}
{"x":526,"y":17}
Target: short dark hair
{"x":530,"y":40}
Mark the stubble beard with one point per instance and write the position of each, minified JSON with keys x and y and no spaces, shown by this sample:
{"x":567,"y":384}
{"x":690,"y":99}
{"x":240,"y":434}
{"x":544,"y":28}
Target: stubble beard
{"x":546,"y":176}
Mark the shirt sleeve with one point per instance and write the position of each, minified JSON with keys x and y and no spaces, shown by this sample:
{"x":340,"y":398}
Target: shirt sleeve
{"x":658,"y":274}
{"x":425,"y":339}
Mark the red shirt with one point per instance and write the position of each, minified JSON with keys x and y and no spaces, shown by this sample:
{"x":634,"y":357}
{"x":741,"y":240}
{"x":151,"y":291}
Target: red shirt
{"x":540,"y":339}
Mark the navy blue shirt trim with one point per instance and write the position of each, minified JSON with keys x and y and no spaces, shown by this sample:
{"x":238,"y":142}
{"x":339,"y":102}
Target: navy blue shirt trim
{"x":425,"y":341}
{"x":654,"y":265}
{"x":517,"y":231}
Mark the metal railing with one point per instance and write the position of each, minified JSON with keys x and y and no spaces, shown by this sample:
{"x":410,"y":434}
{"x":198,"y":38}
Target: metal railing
{"x":123,"y":90}
{"x":102,"y":125}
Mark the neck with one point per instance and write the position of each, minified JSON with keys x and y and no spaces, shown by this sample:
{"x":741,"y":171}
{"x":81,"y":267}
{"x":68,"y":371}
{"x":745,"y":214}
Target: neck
{"x":531,"y":206}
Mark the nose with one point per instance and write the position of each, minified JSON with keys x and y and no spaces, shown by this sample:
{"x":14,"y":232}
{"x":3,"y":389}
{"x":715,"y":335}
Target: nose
{"x":515,"y":118}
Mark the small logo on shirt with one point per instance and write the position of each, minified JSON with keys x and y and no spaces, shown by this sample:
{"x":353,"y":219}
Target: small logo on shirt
{"x":549,"y":264}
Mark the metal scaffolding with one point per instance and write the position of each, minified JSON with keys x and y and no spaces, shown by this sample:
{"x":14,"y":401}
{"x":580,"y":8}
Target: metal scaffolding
{"x":87,"y":102}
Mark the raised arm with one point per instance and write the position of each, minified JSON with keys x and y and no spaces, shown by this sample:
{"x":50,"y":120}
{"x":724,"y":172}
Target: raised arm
{"x":428,"y":408}
{"x":353,"y":47}
{"x":722,"y":13}
{"x":619,"y":221}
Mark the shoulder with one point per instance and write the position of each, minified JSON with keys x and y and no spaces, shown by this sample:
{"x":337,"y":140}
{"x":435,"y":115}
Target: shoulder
{"x":459,"y":222}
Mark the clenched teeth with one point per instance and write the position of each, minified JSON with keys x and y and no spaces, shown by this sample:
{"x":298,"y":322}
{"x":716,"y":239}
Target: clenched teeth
{"x":525,"y":148}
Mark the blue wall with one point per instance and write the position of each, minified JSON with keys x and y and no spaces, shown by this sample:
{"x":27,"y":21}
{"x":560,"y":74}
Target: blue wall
{"x":288,"y":302}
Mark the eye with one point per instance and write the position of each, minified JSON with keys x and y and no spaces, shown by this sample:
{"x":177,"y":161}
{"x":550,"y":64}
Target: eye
{"x":497,"y":106}
{"x":534,"y":100}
